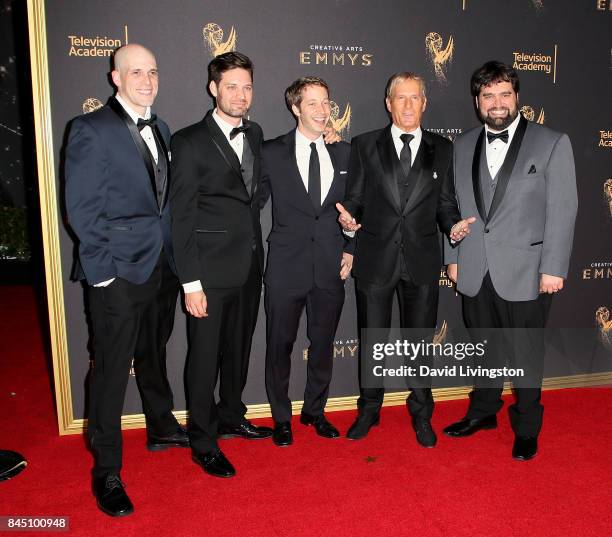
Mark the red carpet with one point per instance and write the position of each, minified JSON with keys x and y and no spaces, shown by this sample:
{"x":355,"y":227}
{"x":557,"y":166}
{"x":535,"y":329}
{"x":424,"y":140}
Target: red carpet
{"x":383,"y":485}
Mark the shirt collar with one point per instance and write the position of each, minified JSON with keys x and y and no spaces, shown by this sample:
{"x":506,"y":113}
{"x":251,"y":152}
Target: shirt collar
{"x":511,"y":128}
{"x":396,"y":132}
{"x":225,"y":127}
{"x":135,"y":117}
{"x":302,"y":141}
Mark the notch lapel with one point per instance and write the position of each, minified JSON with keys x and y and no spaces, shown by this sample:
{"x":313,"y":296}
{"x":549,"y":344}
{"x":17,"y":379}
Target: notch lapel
{"x":294,"y":172}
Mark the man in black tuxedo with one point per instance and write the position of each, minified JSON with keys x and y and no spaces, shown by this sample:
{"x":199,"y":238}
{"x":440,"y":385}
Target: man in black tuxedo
{"x":216,"y":233}
{"x":116,"y":198}
{"x":308,"y":256}
{"x":400,"y":186}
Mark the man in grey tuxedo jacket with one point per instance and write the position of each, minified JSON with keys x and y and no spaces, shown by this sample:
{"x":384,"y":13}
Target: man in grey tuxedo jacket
{"x":519,"y":178}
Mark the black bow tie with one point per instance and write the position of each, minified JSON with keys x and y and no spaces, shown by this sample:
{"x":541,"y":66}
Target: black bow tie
{"x":503,"y":136}
{"x":142,"y":123}
{"x":237,"y":130}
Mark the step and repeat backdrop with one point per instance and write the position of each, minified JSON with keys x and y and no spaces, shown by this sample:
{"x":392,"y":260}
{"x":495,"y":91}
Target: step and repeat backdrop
{"x":561,"y":49}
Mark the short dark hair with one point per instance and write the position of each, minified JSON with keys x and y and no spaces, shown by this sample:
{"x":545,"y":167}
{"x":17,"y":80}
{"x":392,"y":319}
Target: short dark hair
{"x":226,"y":62}
{"x":491,"y":72}
{"x":293,"y":94}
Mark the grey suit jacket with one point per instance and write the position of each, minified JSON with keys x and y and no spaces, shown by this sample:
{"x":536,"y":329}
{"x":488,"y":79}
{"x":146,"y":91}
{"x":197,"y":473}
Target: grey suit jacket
{"x":529,"y":227}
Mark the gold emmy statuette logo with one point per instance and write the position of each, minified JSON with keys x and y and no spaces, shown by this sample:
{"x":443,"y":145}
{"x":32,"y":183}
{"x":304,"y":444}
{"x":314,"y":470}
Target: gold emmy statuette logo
{"x":529,"y":114}
{"x":340,"y":124}
{"x":440,"y":335}
{"x":91,"y":104}
{"x":213,"y":39}
{"x":607,"y":190}
{"x":602,"y":318}
{"x":439,"y":57}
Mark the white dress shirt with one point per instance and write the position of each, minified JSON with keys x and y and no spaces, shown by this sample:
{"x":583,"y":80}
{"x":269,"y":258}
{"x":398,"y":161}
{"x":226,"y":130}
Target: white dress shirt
{"x":302,"y":156}
{"x":414,"y":144}
{"x":237,"y":144}
{"x":497,"y":149}
{"x":147,"y":136}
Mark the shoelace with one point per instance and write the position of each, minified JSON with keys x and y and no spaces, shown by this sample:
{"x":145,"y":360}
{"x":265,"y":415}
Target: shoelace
{"x":113,"y":482}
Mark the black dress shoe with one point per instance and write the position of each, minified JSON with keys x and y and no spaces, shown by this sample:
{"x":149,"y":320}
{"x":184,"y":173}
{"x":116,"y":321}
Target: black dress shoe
{"x":244,"y":430}
{"x":160,"y":443}
{"x":362,"y":425}
{"x":215,"y":463}
{"x":425,"y":435}
{"x":321,"y":425}
{"x":11,"y":463}
{"x":282,"y":435}
{"x":466,"y":427}
{"x":525,"y":448}
{"x":111,"y":496}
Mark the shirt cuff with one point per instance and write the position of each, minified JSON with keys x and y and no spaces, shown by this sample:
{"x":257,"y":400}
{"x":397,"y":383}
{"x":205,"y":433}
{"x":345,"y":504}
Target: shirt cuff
{"x":350,"y":234}
{"x":105,"y":283}
{"x":192,"y":287}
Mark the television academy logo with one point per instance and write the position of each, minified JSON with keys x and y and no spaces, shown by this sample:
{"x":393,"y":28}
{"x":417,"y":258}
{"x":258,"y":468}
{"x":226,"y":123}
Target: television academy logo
{"x":605,"y":139}
{"x":91,"y":104}
{"x":84,"y":46}
{"x":213,"y":36}
{"x":439,"y":57}
{"x":539,"y":62}
{"x":341,"y":125}
{"x":529,"y":114}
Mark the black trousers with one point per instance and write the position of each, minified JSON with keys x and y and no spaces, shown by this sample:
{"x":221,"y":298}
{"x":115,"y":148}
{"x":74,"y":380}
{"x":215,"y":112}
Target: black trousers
{"x":516,"y":348}
{"x":418,"y":308}
{"x":219,"y":346}
{"x":130,"y":321}
{"x":283,"y":311}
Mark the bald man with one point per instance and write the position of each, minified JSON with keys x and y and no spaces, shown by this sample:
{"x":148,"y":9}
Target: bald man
{"x":117,"y":166}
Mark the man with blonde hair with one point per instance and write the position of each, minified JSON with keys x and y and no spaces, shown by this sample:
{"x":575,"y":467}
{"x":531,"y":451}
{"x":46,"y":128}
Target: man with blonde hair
{"x":399,"y":193}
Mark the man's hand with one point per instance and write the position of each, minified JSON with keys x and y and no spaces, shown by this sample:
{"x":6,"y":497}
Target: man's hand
{"x":330,"y":136}
{"x":196,"y":304}
{"x":346,"y":265}
{"x":452,"y":272}
{"x":345,"y":219}
{"x":550,"y":284}
{"x":461,"y":228}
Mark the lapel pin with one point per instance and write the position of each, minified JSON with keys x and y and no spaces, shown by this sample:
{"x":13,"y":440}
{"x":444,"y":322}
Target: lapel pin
{"x":435,"y":175}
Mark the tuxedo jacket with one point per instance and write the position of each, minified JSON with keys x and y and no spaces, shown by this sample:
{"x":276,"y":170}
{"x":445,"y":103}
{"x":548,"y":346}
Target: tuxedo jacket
{"x":305,"y":245}
{"x":111,"y":197}
{"x":529,"y":227}
{"x":388,"y":227}
{"x":215,"y":221}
